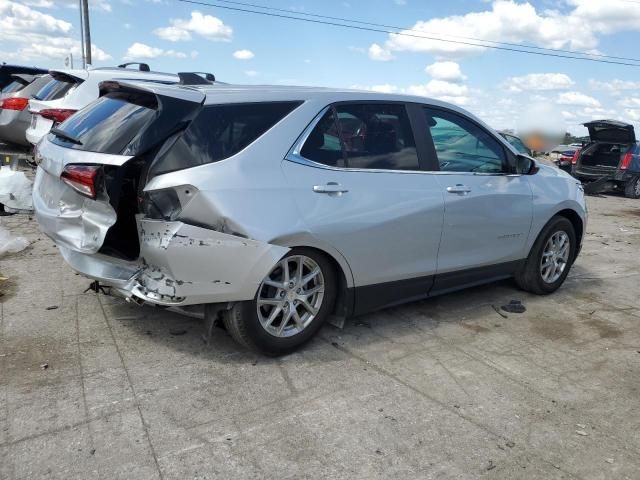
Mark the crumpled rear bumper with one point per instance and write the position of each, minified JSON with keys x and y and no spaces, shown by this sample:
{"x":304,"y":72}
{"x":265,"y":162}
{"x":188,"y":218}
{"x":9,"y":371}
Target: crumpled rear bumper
{"x":181,"y":264}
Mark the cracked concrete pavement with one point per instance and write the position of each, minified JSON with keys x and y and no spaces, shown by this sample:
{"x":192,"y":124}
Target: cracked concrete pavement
{"x":443,"y":388}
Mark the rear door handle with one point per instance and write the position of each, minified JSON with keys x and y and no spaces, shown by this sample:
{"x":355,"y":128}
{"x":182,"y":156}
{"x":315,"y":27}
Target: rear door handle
{"x":459,"y":189}
{"x":330,"y":188}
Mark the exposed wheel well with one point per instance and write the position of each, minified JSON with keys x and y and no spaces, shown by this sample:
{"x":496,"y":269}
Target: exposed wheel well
{"x":576,"y":221}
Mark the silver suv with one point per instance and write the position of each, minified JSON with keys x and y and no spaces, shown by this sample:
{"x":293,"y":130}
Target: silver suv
{"x":274,"y":208}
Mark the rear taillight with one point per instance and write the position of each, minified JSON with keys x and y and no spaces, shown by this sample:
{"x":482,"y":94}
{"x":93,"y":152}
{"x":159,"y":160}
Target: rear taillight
{"x":14,"y":103}
{"x":626,"y":161}
{"x":574,"y":160}
{"x":82,"y":178}
{"x":58,"y":115}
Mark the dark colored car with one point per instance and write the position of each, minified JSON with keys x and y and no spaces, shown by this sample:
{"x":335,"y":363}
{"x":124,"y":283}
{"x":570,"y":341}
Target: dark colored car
{"x":565,"y":158}
{"x":611,"y":159}
{"x":6,"y":72}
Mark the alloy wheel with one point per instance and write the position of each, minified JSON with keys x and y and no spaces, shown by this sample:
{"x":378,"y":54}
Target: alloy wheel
{"x":555,"y":257}
{"x":291,"y":295}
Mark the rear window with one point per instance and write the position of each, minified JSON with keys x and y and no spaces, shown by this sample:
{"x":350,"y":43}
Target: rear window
{"x":53,"y":90}
{"x":219,"y":132}
{"x":14,"y":86}
{"x":108,"y":125}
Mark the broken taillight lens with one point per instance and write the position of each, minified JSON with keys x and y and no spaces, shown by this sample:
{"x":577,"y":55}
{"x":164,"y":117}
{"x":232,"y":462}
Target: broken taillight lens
{"x":574,"y":160}
{"x":82,"y":178}
{"x":14,"y":103}
{"x":58,"y":115}
{"x":626,"y":161}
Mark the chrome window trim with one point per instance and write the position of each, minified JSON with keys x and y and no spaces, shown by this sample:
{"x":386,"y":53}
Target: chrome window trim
{"x":295,"y":156}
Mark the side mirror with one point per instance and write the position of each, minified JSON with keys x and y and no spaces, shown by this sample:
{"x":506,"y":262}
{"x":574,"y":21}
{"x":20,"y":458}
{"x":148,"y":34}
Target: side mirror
{"x":524,"y":165}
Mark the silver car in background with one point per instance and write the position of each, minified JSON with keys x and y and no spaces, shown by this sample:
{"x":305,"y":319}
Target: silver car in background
{"x":274,"y":208}
{"x":14,"y":111}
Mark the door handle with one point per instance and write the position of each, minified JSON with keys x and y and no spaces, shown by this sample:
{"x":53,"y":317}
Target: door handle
{"x":330,"y":188}
{"x":459,"y":189}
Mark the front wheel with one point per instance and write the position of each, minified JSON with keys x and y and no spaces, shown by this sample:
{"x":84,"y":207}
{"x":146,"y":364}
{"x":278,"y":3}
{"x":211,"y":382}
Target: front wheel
{"x":550,"y":258}
{"x":632,"y":188}
{"x":291,"y":304}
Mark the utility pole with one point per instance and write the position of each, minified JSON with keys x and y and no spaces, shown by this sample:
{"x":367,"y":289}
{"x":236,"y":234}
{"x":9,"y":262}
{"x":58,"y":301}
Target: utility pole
{"x":84,"y":62}
{"x":86,"y":32}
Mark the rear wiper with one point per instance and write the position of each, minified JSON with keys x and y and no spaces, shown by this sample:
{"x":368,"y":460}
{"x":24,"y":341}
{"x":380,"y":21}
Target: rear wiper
{"x":65,"y":136}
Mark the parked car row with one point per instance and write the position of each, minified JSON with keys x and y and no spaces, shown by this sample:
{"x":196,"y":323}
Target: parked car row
{"x":32,"y":104}
{"x":272,"y":209}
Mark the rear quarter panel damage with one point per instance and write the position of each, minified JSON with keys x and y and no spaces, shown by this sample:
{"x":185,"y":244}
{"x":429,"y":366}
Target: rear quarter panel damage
{"x":185,"y":264}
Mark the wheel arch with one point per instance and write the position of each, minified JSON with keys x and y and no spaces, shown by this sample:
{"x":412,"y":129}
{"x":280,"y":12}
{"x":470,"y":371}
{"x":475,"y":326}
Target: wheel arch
{"x":578,"y":225}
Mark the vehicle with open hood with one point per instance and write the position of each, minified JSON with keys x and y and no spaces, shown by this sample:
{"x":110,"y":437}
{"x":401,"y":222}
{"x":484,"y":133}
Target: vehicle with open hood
{"x":611,"y":158}
{"x":275,"y":208}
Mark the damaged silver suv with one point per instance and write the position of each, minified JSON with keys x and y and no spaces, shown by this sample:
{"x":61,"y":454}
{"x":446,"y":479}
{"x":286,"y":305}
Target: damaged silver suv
{"x":275,"y":208}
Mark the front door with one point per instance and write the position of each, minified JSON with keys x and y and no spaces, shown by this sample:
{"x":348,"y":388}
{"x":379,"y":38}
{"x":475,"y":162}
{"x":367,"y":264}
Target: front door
{"x":488,"y":211}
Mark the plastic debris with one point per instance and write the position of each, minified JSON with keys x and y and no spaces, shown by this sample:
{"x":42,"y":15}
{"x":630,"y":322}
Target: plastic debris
{"x":11,"y":244}
{"x":514,"y":306}
{"x":15,"y":191}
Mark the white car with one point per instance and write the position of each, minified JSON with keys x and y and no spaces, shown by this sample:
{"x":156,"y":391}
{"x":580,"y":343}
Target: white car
{"x":82,"y":89}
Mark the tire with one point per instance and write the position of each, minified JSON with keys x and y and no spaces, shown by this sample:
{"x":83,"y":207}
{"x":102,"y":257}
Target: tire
{"x":632,"y":188}
{"x":248,"y":322}
{"x":531,"y":276}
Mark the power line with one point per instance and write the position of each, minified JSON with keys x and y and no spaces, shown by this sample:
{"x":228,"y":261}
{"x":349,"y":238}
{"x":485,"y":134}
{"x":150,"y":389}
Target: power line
{"x":424,"y":37}
{"x":407,"y":29}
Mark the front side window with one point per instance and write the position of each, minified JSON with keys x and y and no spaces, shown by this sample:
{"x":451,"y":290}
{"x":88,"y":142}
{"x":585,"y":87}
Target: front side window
{"x":462,"y":146}
{"x":364,"y":136}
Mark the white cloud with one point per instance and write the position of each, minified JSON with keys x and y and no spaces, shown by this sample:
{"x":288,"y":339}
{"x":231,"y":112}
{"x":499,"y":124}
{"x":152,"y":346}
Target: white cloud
{"x":577,"y":99}
{"x":382,"y":88}
{"x":250,"y":73}
{"x":243,"y":55}
{"x":376,"y":52}
{"x":449,"y":71}
{"x":138,"y":51}
{"x":616,"y":86}
{"x":442,"y":90}
{"x":205,"y":26}
{"x":539,"y":81}
{"x":509,"y":21}
{"x":32,"y":35}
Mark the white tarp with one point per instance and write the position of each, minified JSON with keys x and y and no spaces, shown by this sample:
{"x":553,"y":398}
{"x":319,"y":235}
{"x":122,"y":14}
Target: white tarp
{"x":15,"y":190}
{"x":11,"y":244}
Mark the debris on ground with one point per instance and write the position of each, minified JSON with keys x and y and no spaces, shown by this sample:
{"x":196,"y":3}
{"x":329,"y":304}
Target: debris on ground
{"x":582,"y":433}
{"x":15,"y":190}
{"x":491,"y":465}
{"x":499,"y":312}
{"x":11,"y":244}
{"x":608,"y":460}
{"x":52,"y":307}
{"x":177,"y":331}
{"x":44,"y":366}
{"x":514,"y":306}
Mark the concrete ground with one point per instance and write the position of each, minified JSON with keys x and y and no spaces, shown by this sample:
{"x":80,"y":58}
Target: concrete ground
{"x":444,"y":388}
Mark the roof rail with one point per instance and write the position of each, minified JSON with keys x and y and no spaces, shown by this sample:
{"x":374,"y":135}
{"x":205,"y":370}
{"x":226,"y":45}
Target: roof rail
{"x":143,"y":67}
{"x":196,"y":78}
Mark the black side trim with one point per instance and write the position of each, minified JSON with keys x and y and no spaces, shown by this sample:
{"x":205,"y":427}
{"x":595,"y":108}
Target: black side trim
{"x":369,"y":298}
{"x":451,"y":281}
{"x":381,"y":295}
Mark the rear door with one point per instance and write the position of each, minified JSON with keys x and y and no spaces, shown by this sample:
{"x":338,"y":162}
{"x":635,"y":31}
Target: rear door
{"x":358,"y":183}
{"x":488,"y":211}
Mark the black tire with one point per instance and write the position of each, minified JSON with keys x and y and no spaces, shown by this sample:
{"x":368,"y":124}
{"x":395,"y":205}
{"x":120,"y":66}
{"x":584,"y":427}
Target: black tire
{"x":529,"y":278}
{"x":243,"y":324}
{"x":632,"y":188}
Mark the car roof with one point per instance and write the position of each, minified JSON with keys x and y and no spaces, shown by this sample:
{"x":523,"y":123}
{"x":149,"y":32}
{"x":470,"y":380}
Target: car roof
{"x":100,"y":74}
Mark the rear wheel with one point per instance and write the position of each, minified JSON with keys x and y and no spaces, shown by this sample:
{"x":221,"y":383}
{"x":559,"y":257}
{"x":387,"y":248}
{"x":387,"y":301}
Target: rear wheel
{"x":632,"y":188}
{"x":550,"y":258}
{"x":291,"y":304}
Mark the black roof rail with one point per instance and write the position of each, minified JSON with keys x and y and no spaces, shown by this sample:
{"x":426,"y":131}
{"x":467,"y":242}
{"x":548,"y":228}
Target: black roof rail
{"x":143,"y":67}
{"x":196,"y":78}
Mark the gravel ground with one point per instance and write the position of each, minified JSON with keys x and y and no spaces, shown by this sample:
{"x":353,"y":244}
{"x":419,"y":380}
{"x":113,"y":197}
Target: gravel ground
{"x":92,"y":387}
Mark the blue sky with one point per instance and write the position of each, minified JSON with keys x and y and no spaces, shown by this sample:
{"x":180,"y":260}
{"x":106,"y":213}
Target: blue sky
{"x":509,"y":90}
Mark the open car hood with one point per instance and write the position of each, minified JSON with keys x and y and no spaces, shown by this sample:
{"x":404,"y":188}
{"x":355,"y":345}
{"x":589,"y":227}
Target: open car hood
{"x":610,"y":131}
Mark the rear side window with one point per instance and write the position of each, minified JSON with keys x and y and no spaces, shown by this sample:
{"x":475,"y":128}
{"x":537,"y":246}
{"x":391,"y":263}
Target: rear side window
{"x":14,"y":86}
{"x":53,"y":90}
{"x":219,"y":132}
{"x":364,"y":136}
{"x":108,"y":125}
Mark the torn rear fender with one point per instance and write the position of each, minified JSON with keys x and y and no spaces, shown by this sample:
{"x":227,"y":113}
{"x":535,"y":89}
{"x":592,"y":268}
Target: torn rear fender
{"x":183,"y":264}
